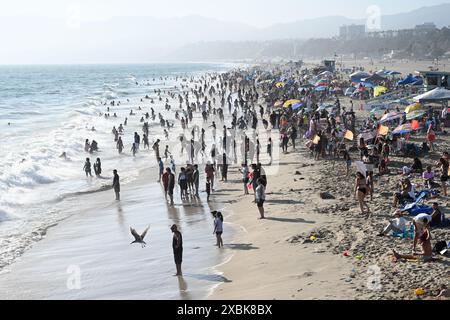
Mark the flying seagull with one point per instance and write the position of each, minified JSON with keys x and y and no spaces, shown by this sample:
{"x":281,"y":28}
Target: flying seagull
{"x":139,"y":238}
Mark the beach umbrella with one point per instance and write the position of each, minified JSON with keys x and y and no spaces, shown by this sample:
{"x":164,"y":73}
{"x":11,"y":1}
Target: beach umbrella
{"x":349,"y":135}
{"x":297,"y":106}
{"x":378,"y":91}
{"x":410,"y":79}
{"x":278,"y":104}
{"x":326,"y":74}
{"x":383,"y":131}
{"x":358,"y":76}
{"x":374,"y":78}
{"x":391,"y":116}
{"x":415,"y":114}
{"x":324,"y":107}
{"x":280,"y":84}
{"x":367,"y":135}
{"x":349,"y":91}
{"x":291,"y":102}
{"x":413,"y":107}
{"x":403,"y":129}
{"x":321,"y":89}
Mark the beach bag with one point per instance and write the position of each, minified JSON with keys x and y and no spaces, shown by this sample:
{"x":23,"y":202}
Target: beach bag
{"x":440,"y":247}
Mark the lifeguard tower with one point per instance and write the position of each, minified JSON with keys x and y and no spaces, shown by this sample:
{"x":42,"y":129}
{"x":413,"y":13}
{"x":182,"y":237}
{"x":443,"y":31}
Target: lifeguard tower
{"x":330,"y":65}
{"x":435,"y":79}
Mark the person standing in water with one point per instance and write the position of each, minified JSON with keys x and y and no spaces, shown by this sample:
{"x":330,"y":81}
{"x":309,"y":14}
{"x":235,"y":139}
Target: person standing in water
{"x":137,"y":140}
{"x":156,"y":149}
{"x":165,"y":181}
{"x":116,"y":185}
{"x":87,"y":145}
{"x":177,"y":246}
{"x":120,"y":145}
{"x":134,"y":149}
{"x":196,"y":180}
{"x":172,"y":164}
{"x":87,"y":167}
{"x":171,"y":185}
{"x":161,"y":169}
{"x":98,"y":167}
{"x":145,"y":140}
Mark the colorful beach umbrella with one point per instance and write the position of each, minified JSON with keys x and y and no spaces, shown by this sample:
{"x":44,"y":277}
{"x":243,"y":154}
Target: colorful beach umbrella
{"x":367,"y":135}
{"x":415,"y":114}
{"x":297,"y":106}
{"x":378,"y":91}
{"x":291,"y":102}
{"x":413,"y":107}
{"x":278,"y":104}
{"x":280,"y":85}
{"x":403,"y":129}
{"x":391,"y":116}
{"x":383,"y":131}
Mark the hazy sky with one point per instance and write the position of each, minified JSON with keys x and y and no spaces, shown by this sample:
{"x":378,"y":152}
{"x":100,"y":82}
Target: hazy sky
{"x":253,"y":12}
{"x":76,"y":36}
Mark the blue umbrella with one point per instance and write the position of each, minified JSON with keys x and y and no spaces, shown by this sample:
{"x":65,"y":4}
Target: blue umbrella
{"x":297,"y":106}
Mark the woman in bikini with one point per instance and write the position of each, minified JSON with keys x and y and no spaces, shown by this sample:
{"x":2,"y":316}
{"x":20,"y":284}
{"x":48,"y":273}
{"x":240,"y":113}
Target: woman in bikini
{"x":361,"y":191}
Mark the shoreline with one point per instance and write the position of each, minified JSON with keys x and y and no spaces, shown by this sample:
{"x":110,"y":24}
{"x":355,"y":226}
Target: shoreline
{"x":306,"y":274}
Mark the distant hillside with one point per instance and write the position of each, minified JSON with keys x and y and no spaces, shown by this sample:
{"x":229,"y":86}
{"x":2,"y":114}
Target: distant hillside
{"x":327,"y":27}
{"x":144,"y":39}
{"x":430,"y":45}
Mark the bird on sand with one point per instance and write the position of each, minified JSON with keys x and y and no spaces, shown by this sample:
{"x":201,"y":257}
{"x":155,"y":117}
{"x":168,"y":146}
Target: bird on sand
{"x":139,"y":238}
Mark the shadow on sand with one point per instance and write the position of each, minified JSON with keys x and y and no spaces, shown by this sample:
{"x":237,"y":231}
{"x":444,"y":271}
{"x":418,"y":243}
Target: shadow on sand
{"x":241,"y":246}
{"x":297,"y":220}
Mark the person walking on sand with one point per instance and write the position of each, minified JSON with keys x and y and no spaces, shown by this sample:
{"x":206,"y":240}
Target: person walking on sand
{"x":245,"y":177}
{"x":270,"y":150}
{"x":177,"y":246}
{"x":116,"y":185}
{"x":361,"y":191}
{"x":260,"y":197}
{"x":218,"y":229}
{"x":444,"y":166}
{"x":431,"y":137}
{"x":87,"y":167}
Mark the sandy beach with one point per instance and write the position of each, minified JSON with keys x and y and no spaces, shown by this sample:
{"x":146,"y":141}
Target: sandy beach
{"x":313,"y":245}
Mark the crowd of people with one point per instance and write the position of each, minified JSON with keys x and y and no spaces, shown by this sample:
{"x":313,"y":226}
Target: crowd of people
{"x":254,"y":102}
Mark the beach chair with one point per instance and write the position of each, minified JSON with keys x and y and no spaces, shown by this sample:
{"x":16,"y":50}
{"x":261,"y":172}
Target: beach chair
{"x":418,"y":206}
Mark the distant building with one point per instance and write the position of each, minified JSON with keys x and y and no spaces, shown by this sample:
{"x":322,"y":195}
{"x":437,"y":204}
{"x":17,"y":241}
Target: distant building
{"x":352,"y":32}
{"x":427,"y":26}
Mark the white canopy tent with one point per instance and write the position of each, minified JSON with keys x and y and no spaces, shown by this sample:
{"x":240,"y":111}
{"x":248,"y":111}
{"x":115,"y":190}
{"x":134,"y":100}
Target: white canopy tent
{"x":436,"y":95}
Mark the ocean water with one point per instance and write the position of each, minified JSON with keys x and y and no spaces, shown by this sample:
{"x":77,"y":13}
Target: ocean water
{"x":51,"y":109}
